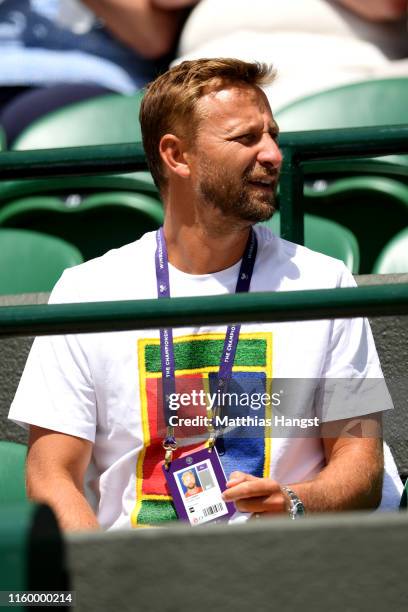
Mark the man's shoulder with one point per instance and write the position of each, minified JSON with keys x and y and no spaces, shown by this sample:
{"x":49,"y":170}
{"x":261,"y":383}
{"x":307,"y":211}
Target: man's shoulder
{"x":115,"y":275}
{"x":300,"y":266}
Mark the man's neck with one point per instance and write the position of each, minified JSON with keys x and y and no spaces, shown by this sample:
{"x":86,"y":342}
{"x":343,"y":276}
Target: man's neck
{"x":195,"y":250}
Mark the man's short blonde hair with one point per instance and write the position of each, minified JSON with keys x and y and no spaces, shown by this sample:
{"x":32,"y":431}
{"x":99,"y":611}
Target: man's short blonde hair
{"x":170,"y":101}
{"x":187,"y":472}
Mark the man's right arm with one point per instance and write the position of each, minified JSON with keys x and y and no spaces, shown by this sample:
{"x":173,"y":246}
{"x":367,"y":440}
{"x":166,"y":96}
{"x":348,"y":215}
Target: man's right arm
{"x":143,"y":26}
{"x":173,"y":4}
{"x":377,"y":10}
{"x":56,"y":466}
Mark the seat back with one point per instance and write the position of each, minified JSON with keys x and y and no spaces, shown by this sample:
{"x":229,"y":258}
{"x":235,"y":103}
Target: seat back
{"x":33,"y":262}
{"x":326,"y":237}
{"x":109,"y":119}
{"x":373,"y":208}
{"x":98,"y":223}
{"x":366,"y":103}
{"x":362,"y":104}
{"x":393,"y":258}
{"x":12,"y":469}
{"x":2,"y":139}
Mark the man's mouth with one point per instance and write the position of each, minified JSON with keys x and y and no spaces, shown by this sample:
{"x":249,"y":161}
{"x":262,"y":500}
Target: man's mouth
{"x":263,"y":183}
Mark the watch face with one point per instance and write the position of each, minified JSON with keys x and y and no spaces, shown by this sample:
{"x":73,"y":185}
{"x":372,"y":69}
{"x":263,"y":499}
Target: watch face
{"x":298,"y":509}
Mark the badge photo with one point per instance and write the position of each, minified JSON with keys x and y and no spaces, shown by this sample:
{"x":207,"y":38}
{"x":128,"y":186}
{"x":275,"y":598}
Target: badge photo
{"x":196,"y":483}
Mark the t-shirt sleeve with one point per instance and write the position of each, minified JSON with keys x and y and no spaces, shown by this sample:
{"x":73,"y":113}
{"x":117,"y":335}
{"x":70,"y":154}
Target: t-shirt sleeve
{"x":352,"y":380}
{"x":56,"y":390}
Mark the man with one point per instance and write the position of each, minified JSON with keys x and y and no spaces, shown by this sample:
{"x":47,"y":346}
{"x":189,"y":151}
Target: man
{"x":211,"y":143}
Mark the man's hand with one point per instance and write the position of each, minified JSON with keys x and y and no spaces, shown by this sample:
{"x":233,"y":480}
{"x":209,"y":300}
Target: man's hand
{"x":251,"y":494}
{"x":377,"y":10}
{"x":351,"y":479}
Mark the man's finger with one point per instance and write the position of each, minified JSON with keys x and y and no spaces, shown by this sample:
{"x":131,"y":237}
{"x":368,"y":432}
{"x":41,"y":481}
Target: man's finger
{"x":253,"y":487}
{"x":238,"y":477}
{"x":261,"y":505}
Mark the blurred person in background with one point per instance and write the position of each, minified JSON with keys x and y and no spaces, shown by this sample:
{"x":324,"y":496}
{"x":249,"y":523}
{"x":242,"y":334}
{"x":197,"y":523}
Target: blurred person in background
{"x":344,"y":40}
{"x":55,"y":52}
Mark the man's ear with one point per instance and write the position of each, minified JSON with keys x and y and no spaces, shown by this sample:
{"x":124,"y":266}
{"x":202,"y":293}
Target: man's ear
{"x":173,"y":153}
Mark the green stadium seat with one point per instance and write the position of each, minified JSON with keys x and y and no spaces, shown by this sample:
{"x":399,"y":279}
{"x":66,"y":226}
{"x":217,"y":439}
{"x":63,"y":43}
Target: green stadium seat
{"x":326,"y":237}
{"x":95,"y":213}
{"x":377,"y":187}
{"x":369,"y":103}
{"x":2,"y":140}
{"x":373,"y":208}
{"x":362,"y":104}
{"x":32,"y":553}
{"x":95,"y":224}
{"x":78,"y":186}
{"x":108,"y":119}
{"x":12,"y":470}
{"x":393,"y":259}
{"x":33,"y":262}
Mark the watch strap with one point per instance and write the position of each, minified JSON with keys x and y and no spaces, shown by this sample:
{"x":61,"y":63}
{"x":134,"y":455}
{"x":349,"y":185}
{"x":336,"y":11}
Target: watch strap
{"x":296,"y":508}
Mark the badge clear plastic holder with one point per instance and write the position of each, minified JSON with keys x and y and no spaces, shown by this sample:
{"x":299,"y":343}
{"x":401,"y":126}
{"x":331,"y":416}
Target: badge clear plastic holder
{"x":196,"y":483}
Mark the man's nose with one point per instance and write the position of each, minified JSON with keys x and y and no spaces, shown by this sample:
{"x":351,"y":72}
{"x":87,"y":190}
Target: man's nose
{"x":269,"y":152}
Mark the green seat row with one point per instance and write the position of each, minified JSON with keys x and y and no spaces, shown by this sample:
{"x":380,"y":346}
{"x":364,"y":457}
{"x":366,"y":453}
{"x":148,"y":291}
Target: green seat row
{"x":393,"y":259}
{"x":353,"y":202}
{"x":367,"y":195}
{"x":368,"y":103}
{"x":100,"y":222}
{"x":33,"y":262}
{"x":95,"y":223}
{"x":327,"y":237}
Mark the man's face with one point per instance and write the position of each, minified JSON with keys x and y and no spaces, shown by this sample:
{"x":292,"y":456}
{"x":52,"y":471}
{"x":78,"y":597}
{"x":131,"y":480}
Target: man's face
{"x":189,"y":480}
{"x":237,"y":159}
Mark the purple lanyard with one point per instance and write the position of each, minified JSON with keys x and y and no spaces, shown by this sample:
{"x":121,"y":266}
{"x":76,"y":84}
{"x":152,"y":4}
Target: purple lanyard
{"x":166,"y":334}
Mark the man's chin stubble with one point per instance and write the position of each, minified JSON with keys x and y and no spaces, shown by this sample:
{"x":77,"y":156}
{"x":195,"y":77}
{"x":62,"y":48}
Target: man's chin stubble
{"x":240,"y":206}
{"x":254,"y":212}
{"x":246,"y":214}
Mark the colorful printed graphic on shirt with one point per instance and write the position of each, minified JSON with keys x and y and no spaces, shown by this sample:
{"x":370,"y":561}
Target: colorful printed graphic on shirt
{"x":197,"y":361}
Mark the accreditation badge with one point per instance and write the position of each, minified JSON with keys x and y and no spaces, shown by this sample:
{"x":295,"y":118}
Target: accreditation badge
{"x":196,"y":483}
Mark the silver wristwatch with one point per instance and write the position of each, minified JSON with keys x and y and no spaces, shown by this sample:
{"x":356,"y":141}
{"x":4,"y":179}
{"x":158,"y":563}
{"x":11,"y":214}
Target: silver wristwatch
{"x":296,"y":508}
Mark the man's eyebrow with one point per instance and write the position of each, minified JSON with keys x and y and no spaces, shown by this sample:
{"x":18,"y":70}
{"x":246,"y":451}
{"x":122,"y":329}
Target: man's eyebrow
{"x":274,"y":129}
{"x":236,"y":128}
{"x":243,"y":128}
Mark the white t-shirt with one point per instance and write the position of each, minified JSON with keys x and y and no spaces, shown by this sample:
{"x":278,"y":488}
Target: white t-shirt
{"x":103,"y":387}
